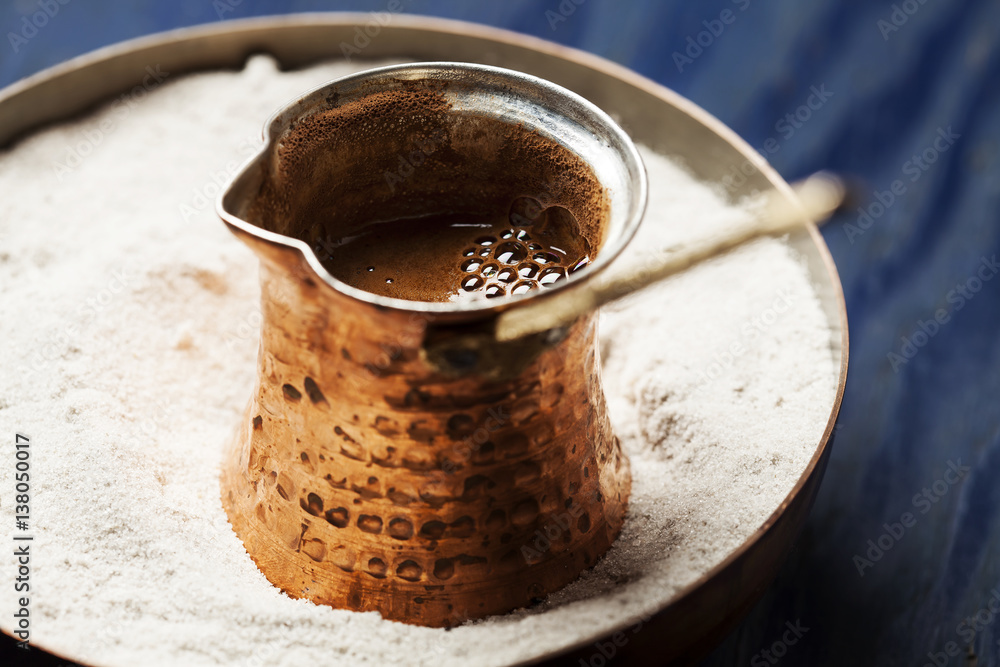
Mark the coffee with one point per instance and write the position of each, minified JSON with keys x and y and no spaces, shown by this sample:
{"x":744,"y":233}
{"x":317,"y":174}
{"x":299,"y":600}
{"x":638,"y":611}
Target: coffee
{"x":447,"y":257}
{"x":401,"y":196}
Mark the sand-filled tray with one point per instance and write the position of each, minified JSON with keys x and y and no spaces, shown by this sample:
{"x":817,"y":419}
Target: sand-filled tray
{"x":133,"y":316}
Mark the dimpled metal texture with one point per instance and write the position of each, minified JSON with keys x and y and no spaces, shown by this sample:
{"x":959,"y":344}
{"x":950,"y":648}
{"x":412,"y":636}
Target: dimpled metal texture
{"x":362,"y":479}
{"x":394,"y":456}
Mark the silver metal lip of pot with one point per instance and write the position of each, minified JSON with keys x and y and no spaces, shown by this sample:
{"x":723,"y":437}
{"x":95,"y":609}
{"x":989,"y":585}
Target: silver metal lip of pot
{"x":507,"y":95}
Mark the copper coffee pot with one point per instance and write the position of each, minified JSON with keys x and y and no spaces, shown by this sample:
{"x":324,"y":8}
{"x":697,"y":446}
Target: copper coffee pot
{"x":395,"y":455}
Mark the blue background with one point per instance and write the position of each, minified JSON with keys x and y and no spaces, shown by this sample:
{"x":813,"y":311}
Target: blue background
{"x":901,"y":424}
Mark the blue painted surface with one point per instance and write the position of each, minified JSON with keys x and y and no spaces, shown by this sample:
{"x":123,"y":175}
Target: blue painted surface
{"x":900,"y":427}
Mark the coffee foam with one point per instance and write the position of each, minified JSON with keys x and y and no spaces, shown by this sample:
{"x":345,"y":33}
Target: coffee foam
{"x":406,"y":153}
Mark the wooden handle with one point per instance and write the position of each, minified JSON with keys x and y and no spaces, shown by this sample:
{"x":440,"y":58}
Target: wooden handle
{"x":817,"y":198}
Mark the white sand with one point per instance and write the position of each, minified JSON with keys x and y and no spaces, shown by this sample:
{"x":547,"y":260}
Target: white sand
{"x":128,"y":325}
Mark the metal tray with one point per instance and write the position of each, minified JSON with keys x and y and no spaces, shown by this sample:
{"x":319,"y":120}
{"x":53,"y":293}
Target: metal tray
{"x":703,"y":613}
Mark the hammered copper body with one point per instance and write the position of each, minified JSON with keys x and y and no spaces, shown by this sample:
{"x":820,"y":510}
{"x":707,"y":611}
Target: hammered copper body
{"x":395,"y":457}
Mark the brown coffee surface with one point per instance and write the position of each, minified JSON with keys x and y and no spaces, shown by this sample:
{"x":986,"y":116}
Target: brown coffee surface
{"x":447,"y":257}
{"x":392,"y":191}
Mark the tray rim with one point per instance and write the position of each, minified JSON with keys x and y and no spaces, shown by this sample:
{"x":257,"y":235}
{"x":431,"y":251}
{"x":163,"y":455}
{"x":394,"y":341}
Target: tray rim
{"x":178,"y":36}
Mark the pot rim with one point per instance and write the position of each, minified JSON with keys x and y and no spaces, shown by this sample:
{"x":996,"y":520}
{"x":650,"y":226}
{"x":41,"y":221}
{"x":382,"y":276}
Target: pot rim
{"x":634,"y":201}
